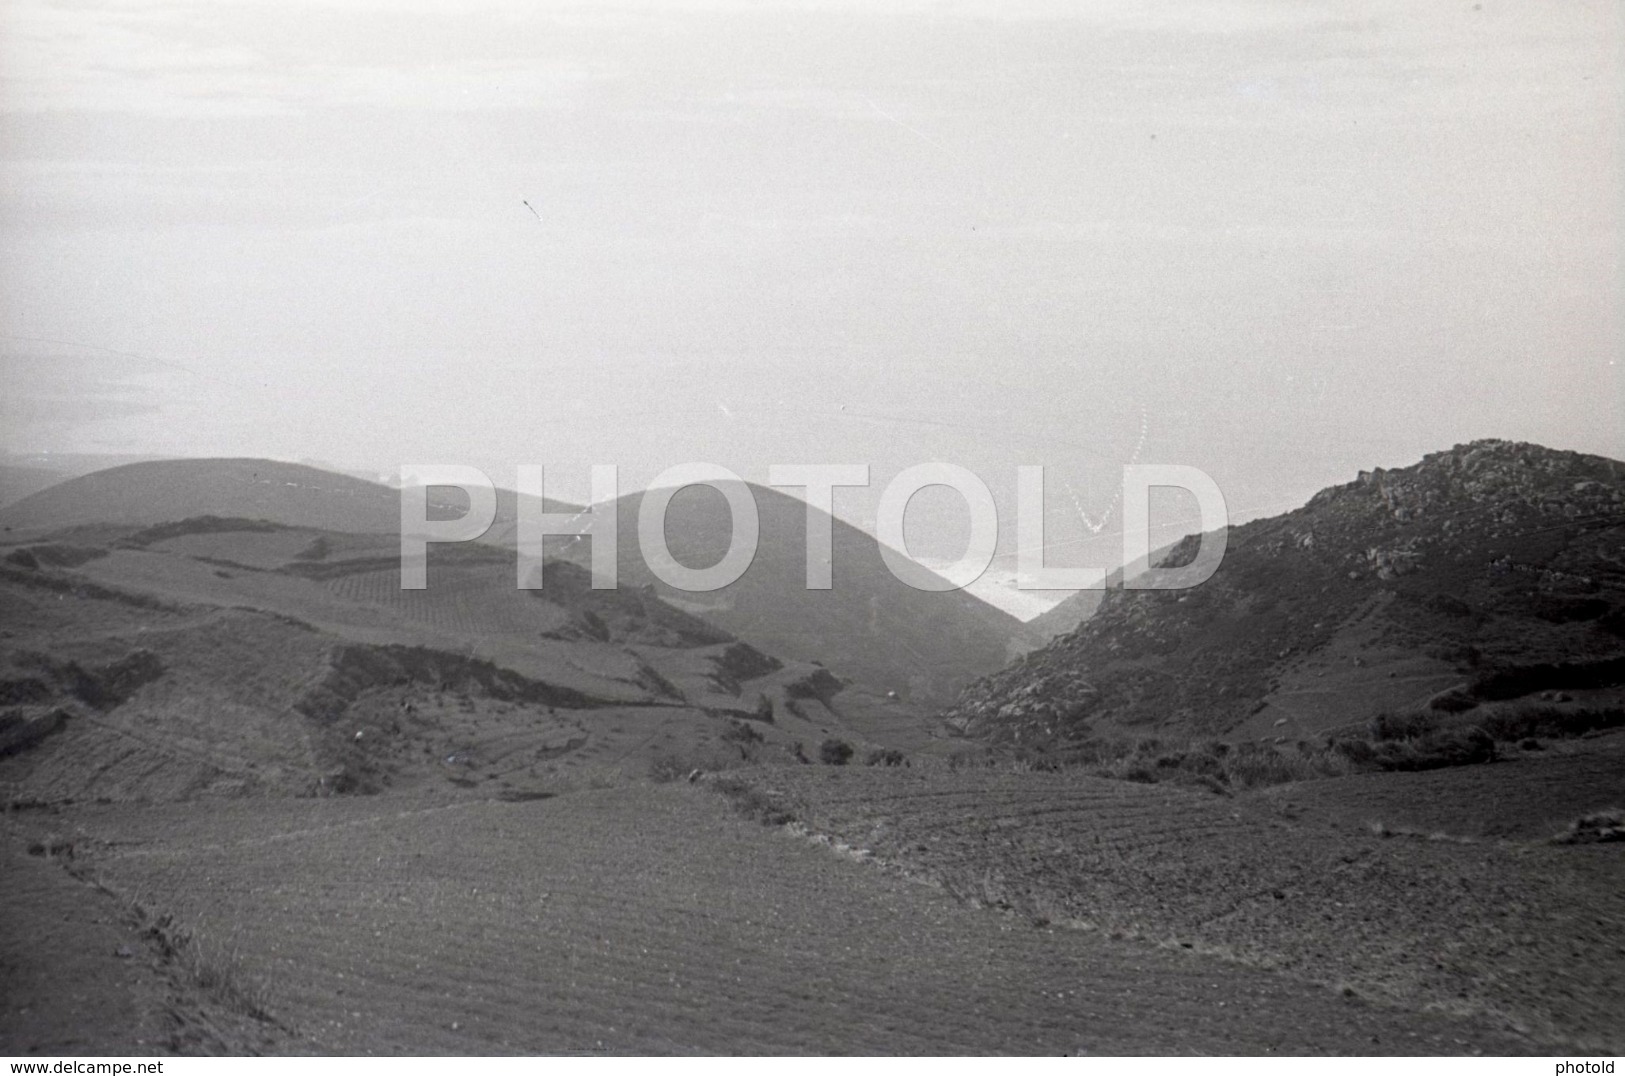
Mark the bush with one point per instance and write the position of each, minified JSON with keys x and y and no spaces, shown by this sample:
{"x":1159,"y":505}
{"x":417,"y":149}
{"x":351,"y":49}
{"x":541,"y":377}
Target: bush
{"x":834,"y":752}
{"x":1212,"y":765}
{"x":1455,"y":747}
{"x":1258,"y":766}
{"x":1514,"y":681}
{"x":885,"y":756}
{"x":1405,"y":726}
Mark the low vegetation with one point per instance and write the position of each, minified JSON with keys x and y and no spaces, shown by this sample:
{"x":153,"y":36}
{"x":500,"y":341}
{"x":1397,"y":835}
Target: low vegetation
{"x":1404,"y":741}
{"x":754,"y":803}
{"x":162,"y":532}
{"x":833,"y":752}
{"x":216,"y":970}
{"x":1516,"y":681}
{"x":1594,"y":828}
{"x":54,"y":555}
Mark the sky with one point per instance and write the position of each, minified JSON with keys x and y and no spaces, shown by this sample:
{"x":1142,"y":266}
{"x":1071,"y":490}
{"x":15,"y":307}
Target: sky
{"x":1281,"y":242}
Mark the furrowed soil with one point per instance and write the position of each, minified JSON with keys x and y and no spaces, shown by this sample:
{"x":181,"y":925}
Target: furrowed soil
{"x":1523,"y":934}
{"x":647,"y":918}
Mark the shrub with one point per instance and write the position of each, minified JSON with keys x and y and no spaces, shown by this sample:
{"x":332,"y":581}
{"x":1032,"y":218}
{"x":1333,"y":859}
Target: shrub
{"x":1454,"y":701}
{"x":834,"y":752}
{"x":1525,"y":722}
{"x":884,"y":756}
{"x":751,"y":801}
{"x":1600,"y":826}
{"x":1437,"y":750}
{"x":1258,"y":766}
{"x":1402,"y":726}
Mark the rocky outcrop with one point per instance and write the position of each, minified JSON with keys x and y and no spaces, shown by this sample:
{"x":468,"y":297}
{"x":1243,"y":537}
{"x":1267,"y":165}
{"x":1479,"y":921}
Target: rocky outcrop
{"x":1496,"y":552}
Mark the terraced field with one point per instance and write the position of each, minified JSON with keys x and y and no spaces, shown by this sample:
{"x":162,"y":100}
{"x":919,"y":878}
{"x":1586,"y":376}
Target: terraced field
{"x":653,"y":919}
{"x":477,"y":601}
{"x":1527,"y":935}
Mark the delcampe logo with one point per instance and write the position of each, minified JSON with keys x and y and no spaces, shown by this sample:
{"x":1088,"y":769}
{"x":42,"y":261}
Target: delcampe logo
{"x":600,"y":526}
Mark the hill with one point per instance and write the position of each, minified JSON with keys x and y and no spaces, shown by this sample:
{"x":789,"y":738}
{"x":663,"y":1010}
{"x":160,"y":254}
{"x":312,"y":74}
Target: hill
{"x":23,"y":475}
{"x":1494,"y":559}
{"x":166,"y":491}
{"x":870,"y":627}
{"x":17,"y":482}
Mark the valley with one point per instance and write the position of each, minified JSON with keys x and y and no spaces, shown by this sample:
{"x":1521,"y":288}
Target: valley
{"x":259,"y":799}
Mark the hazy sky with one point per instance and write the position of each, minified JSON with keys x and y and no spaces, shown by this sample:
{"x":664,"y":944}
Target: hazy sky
{"x":1280,"y":241}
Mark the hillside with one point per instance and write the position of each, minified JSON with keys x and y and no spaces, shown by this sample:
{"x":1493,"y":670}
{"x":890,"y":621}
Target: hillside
{"x":870,"y":627}
{"x":1376,"y":595}
{"x":24,"y":475}
{"x":226,"y":657}
{"x":1066,"y":615}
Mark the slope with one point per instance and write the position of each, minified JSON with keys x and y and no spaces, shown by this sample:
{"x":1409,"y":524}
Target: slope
{"x":1377,"y":594}
{"x":870,"y":627}
{"x":227,"y":658}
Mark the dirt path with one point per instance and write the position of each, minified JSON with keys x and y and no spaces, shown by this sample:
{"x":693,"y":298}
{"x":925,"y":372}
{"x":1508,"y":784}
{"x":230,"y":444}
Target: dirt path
{"x":643,"y":919}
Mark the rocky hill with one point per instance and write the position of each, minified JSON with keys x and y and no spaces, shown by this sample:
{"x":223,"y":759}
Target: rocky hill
{"x":1492,"y":560}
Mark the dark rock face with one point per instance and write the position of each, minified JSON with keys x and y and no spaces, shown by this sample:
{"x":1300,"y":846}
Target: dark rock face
{"x":1491,"y":553}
